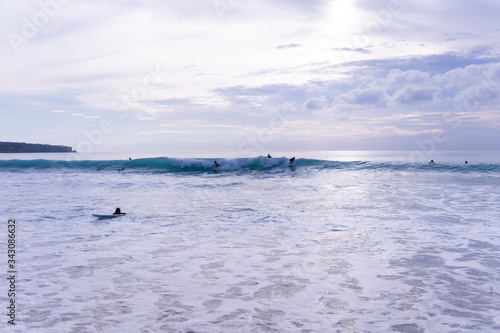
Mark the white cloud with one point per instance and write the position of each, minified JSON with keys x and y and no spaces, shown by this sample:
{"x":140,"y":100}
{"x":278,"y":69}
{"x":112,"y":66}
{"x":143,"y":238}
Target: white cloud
{"x":412,"y":95}
{"x":370,"y":96}
{"x":316,"y":103}
{"x":69,"y":114}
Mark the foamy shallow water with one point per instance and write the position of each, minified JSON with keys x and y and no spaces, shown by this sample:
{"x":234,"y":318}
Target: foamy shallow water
{"x":285,"y":250}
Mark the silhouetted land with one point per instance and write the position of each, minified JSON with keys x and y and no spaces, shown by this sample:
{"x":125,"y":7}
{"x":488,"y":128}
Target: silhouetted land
{"x":21,"y":147}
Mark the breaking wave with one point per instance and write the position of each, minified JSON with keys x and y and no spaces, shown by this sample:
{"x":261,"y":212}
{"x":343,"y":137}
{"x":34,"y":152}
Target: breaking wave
{"x":262,"y":163}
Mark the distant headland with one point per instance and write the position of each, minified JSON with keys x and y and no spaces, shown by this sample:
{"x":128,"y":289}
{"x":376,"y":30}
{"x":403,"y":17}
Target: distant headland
{"x":21,"y":147}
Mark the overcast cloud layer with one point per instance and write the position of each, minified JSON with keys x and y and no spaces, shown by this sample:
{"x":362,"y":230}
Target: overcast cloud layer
{"x":251,"y":76}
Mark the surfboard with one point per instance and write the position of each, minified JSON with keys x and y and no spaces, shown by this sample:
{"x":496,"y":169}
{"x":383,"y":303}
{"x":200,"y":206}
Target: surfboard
{"x":107,"y":216}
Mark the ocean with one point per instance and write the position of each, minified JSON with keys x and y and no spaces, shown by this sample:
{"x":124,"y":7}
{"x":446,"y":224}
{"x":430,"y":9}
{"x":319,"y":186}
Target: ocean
{"x":338,"y":242}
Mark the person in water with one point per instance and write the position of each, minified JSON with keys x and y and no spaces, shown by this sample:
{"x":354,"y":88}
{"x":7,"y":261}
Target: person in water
{"x":431,"y":162}
{"x":466,"y":162}
{"x":118,"y":212}
{"x":216,"y":165}
{"x":292,"y":160}
{"x":269,"y":156}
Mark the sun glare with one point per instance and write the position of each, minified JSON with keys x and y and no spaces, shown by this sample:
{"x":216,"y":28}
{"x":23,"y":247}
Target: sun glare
{"x":343,"y":17}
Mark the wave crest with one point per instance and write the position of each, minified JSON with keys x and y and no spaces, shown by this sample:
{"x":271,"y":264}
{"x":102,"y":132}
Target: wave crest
{"x":172,"y":165}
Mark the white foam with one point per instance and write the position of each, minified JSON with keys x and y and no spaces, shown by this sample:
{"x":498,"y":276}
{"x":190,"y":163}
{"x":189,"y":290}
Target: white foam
{"x":333,"y":250}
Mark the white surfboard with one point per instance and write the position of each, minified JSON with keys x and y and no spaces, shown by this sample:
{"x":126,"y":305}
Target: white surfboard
{"x":107,"y":216}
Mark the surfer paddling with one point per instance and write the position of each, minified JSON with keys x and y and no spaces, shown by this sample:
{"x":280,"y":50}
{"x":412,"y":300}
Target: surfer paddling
{"x":118,"y":211}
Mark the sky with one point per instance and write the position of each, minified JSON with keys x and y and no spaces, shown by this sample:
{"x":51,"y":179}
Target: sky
{"x":251,"y":76}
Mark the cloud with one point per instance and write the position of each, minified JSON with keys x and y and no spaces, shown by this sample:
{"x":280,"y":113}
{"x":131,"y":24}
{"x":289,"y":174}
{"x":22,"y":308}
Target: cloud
{"x":458,"y":36}
{"x":432,"y":64}
{"x":377,"y":89}
{"x":70,"y":114}
{"x":288,"y":46}
{"x":371,"y":96}
{"x":485,"y":79}
{"x":410,"y":77}
{"x":154,"y":132}
{"x":411,"y":95}
{"x":351,"y":49}
{"x":316,"y":103}
{"x":254,"y":96}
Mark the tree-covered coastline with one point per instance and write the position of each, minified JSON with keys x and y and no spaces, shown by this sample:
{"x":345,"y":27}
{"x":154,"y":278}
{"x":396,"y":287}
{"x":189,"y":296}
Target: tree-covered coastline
{"x":22,"y":147}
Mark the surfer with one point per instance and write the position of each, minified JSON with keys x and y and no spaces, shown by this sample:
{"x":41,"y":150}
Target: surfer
{"x":431,"y":162}
{"x":216,"y":165}
{"x":269,"y":156}
{"x":466,"y":162}
{"x":292,"y":160}
{"x":118,"y":212}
